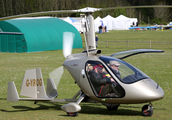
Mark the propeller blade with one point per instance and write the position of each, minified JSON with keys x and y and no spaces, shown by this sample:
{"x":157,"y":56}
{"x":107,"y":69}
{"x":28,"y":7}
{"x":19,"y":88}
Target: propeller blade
{"x":56,"y":75}
{"x":67,"y":43}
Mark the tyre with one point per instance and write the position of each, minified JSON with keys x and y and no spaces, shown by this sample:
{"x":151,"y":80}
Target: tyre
{"x":146,"y":111}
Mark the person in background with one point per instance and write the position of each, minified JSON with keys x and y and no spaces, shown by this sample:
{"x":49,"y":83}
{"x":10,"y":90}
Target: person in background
{"x":100,"y":29}
{"x":133,"y":24}
{"x":137,"y":23}
{"x":105,"y":29}
{"x":96,"y":40}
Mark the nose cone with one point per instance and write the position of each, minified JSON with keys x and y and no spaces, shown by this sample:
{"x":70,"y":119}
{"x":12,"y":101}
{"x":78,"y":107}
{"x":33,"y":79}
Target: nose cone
{"x":155,"y":93}
{"x":152,"y":91}
{"x":144,"y":91}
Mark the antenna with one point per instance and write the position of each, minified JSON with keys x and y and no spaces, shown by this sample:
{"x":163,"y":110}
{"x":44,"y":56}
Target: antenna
{"x":157,"y":82}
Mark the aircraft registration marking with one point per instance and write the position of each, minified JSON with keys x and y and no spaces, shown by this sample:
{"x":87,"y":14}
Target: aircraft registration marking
{"x":33,"y":82}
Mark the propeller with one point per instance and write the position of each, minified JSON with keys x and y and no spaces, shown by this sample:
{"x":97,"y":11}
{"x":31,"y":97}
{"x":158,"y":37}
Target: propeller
{"x":56,"y":75}
{"x":67,"y":50}
{"x":67,"y":43}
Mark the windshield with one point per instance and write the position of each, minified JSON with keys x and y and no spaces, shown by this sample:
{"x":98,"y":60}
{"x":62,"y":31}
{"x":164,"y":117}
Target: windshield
{"x":124,"y":71}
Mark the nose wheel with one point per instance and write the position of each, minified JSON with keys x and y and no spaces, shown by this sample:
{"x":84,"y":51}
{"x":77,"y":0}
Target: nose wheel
{"x":147,"y":110}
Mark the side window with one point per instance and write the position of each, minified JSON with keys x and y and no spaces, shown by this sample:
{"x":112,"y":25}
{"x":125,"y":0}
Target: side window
{"x":101,"y":82}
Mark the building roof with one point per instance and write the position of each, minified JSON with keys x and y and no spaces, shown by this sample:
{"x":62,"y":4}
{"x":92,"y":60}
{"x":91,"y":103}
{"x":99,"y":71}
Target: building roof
{"x":42,"y":33}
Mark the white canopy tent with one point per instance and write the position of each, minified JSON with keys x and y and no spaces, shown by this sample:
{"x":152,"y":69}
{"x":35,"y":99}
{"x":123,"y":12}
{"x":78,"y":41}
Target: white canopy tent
{"x":97,"y":23}
{"x":78,"y":26}
{"x":75,"y":22}
{"x":110,"y":22}
{"x":122,"y":23}
{"x":68,"y":20}
{"x":119,"y":23}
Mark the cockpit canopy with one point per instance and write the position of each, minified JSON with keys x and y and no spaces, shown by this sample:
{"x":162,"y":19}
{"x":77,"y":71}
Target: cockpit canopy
{"x":128,"y":73}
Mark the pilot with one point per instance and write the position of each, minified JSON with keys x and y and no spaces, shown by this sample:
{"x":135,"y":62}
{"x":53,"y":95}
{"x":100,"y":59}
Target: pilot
{"x":103,"y":83}
{"x":115,"y":68}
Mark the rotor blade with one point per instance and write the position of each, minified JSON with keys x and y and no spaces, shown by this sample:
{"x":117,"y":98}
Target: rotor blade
{"x":67,"y":43}
{"x":144,"y":6}
{"x":85,"y":10}
{"x":128,"y":53}
{"x":38,"y":14}
{"x":56,"y":75}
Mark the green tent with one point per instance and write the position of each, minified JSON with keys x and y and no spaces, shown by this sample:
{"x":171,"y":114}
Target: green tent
{"x":35,"y":34}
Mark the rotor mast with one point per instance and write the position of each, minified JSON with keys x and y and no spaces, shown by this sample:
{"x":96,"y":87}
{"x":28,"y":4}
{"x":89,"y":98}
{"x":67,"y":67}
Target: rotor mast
{"x":89,"y":32}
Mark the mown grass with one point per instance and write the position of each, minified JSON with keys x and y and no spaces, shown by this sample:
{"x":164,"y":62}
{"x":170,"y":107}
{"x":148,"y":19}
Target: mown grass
{"x":158,"y":66}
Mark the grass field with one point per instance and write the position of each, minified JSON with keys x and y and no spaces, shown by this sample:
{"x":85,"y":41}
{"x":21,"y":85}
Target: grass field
{"x":158,"y":66}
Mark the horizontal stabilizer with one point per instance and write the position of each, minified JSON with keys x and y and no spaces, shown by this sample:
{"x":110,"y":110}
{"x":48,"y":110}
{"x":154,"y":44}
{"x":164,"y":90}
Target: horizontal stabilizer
{"x":12,"y":94}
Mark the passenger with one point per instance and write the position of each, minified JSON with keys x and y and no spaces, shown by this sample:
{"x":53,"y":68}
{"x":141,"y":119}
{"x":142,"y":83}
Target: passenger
{"x":115,"y":68}
{"x":103,"y":83}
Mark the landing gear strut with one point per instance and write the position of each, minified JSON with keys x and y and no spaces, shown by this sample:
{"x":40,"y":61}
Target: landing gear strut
{"x":147,"y":110}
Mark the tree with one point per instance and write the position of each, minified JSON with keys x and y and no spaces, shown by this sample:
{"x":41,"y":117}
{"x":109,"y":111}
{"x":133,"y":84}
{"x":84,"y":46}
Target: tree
{"x":162,"y":14}
{"x":2,"y":10}
{"x":16,"y":7}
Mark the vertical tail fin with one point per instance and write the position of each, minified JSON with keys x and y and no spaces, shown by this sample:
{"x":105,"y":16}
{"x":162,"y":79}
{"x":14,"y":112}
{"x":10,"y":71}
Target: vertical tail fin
{"x":33,"y":85}
{"x":12,"y":94}
{"x":40,"y":84}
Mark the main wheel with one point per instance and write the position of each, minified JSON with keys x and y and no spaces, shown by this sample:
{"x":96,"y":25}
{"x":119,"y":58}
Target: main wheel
{"x":112,"y":107}
{"x":147,"y":110}
{"x":75,"y":114}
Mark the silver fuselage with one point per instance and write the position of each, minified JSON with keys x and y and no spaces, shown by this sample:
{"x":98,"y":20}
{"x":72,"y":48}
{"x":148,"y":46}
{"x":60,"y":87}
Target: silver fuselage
{"x":142,"y":91}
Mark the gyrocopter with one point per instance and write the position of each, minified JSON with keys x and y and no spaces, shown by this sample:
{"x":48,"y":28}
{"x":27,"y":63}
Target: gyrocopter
{"x":102,"y":79}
